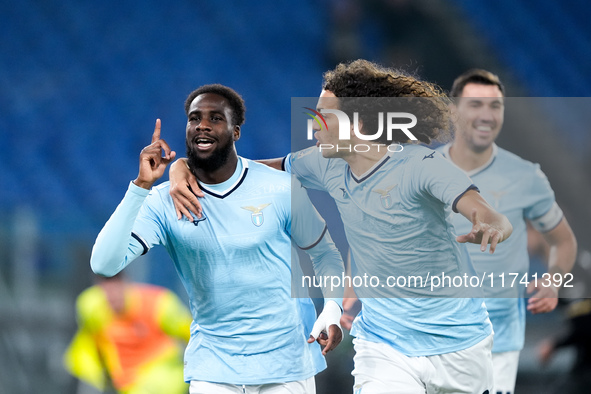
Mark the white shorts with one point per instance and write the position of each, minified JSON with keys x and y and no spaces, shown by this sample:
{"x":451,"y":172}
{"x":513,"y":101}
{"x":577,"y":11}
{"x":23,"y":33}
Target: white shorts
{"x":307,"y":386}
{"x":380,"y":369}
{"x":505,"y":371}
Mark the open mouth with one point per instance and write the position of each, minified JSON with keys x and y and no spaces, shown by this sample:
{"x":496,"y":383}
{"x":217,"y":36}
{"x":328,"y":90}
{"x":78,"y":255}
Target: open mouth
{"x":203,"y":143}
{"x":487,"y":129}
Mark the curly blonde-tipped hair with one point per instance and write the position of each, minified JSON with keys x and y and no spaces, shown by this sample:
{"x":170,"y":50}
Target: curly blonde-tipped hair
{"x":353,"y":82}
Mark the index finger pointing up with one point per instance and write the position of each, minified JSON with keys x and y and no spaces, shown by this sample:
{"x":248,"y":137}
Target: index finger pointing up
{"x":156,"y":135}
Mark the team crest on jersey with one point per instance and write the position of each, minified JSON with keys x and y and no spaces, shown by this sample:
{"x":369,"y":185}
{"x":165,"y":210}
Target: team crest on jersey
{"x":385,"y":196}
{"x":257,"y":213}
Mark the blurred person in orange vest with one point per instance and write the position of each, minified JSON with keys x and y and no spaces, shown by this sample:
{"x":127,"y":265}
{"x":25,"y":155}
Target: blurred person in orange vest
{"x":130,"y":336}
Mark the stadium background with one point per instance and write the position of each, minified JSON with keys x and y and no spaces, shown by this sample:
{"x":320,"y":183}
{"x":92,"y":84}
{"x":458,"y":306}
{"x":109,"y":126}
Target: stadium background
{"x":81,"y":84}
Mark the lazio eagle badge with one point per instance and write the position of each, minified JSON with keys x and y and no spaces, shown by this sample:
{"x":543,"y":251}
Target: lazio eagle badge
{"x":257,"y":213}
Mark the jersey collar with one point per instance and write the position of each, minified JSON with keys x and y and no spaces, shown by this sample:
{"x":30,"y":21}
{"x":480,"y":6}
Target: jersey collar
{"x":372,"y":170}
{"x":495,"y":150}
{"x":224,"y":189}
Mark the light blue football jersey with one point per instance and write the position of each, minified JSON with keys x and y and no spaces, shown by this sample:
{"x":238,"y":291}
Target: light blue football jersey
{"x":397,"y":219}
{"x":519,"y":190}
{"x":235,"y":264}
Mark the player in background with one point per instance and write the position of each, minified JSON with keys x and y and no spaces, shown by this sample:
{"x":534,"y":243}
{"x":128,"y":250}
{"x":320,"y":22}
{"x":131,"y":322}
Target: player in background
{"x":248,"y":334}
{"x":409,"y":341}
{"x":130,"y":336}
{"x":518,"y":189}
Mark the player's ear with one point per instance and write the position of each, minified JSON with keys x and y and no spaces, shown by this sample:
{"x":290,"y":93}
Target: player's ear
{"x":236,"y":133}
{"x":359,"y":127}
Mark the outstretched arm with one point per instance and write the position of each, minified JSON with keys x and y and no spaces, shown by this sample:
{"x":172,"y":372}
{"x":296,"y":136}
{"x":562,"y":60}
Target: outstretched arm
{"x":488,"y":226}
{"x":561,"y":258}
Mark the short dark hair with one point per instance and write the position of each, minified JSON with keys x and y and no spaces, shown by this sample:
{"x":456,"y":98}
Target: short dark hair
{"x":478,"y":76}
{"x":362,"y":78}
{"x":235,"y":100}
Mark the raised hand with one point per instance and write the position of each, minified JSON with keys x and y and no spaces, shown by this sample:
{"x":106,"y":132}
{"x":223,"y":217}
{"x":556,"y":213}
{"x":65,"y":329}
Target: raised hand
{"x":152,"y":162}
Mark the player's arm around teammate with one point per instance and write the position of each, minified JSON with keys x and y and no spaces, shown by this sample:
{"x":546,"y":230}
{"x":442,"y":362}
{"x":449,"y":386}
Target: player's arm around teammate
{"x":488,"y":226}
{"x":185,"y":190}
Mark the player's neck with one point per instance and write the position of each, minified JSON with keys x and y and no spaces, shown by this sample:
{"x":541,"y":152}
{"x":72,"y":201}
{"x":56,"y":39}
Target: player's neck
{"x":360,"y":163}
{"x":468,"y":159}
{"x":221,"y":174}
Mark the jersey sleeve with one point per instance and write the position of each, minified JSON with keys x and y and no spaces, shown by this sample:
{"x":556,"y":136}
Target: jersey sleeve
{"x":286,"y":163}
{"x":310,"y":233}
{"x":307,"y":226}
{"x":147,"y":228}
{"x":309,"y":167}
{"x":438,"y":177}
{"x":118,"y":243}
{"x":542,"y":212}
